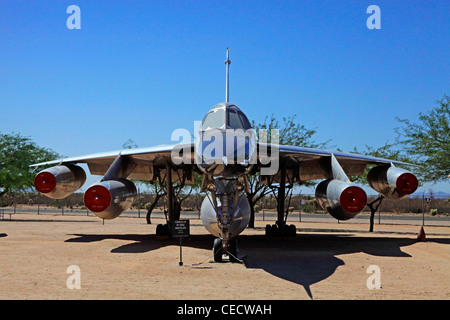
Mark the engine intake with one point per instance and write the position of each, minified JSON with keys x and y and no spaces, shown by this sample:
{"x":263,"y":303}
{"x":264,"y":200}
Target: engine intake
{"x":61,"y":181}
{"x":392,"y":182}
{"x":108,"y":199}
{"x":341,"y":199}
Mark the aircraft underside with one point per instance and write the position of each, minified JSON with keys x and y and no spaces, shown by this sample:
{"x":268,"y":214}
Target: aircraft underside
{"x":225,"y":211}
{"x":226,"y":153}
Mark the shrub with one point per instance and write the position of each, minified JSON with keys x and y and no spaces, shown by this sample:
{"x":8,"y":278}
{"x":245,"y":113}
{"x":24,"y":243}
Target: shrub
{"x":310,"y":206}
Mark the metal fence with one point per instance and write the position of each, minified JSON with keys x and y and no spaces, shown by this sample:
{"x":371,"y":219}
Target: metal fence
{"x":301,"y":207}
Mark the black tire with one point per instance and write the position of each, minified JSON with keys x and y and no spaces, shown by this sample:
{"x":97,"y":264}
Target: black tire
{"x":269,"y":230}
{"x":276,"y":231}
{"x":166,"y":230}
{"x":292,"y":230}
{"x":217,"y":250}
{"x":159,"y":229}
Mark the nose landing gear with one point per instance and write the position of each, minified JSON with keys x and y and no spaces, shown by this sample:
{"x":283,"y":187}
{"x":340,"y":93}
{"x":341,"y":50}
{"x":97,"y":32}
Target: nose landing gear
{"x":228,"y":252}
{"x":225,"y":214}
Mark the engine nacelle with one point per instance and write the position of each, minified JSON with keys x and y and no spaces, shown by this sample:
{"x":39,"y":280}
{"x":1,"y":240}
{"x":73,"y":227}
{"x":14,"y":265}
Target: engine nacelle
{"x":61,"y":181}
{"x":342,"y":200}
{"x":392,"y":182}
{"x":108,"y":199}
{"x":241,"y":216}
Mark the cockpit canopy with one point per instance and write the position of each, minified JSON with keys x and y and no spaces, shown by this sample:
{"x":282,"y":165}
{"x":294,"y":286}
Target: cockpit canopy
{"x":225,"y":116}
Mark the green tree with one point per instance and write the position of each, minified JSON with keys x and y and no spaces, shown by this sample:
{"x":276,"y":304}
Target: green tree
{"x":428,"y":141}
{"x":387,"y":151}
{"x":289,"y":133}
{"x":17,"y":153}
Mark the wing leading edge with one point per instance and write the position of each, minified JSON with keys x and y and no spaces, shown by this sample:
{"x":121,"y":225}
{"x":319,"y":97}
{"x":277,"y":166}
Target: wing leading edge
{"x":310,"y":163}
{"x":144,"y":160}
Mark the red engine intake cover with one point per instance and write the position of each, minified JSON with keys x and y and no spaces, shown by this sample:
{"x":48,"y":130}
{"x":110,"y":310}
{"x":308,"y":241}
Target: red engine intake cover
{"x":97,"y":198}
{"x":407,"y":183}
{"x":45,"y":182}
{"x":353,"y":199}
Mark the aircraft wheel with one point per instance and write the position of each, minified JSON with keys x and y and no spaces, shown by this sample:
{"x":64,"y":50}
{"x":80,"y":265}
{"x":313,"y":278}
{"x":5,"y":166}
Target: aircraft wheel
{"x":292,"y":230}
{"x":276,"y":230}
{"x":162,"y":232}
{"x":269,"y":230}
{"x":217,"y":250}
{"x":166,"y":230}
{"x":159,"y":229}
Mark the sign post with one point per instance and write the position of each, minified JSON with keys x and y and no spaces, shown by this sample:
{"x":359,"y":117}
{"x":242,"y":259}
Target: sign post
{"x":180,"y":229}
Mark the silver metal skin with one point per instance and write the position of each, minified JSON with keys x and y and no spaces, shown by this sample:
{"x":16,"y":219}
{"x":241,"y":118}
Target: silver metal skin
{"x":336,"y":170}
{"x":225,"y":150}
{"x":123,"y":195}
{"x":226,"y":144}
{"x":227,"y":215}
{"x":328,"y":194}
{"x":120,"y":168}
{"x":384,"y":180}
{"x":69,"y":178}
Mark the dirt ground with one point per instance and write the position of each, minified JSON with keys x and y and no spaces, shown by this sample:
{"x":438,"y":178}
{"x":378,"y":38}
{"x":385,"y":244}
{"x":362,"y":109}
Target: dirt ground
{"x":122,"y":260}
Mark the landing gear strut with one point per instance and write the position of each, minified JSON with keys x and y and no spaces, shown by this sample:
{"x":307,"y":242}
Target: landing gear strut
{"x":220,"y":251}
{"x":163,"y":231}
{"x":225,"y":198}
{"x":280,"y":229}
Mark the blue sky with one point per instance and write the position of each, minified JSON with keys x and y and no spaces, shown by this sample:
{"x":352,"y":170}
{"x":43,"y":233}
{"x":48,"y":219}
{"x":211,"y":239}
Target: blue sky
{"x":140,"y":69}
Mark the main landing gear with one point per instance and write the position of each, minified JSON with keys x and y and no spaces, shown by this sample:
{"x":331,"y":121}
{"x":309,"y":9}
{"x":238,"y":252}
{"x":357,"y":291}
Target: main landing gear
{"x":281,"y":230}
{"x":163,"y":232}
{"x":287,"y":232}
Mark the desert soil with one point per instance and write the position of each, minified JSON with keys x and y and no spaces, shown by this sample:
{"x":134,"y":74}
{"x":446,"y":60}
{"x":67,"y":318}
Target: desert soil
{"x":121,"y":259}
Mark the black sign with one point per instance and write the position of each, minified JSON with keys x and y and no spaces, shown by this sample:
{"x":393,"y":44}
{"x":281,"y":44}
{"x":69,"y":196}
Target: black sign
{"x":180,"y":228}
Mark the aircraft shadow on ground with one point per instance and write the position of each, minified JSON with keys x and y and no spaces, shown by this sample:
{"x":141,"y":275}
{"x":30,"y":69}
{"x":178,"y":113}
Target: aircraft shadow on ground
{"x":144,"y":243}
{"x":49,"y":220}
{"x":307,"y":260}
{"x":313,"y":257}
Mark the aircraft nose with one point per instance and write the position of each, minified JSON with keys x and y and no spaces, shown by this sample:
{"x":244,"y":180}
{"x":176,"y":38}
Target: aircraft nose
{"x":226,"y":148}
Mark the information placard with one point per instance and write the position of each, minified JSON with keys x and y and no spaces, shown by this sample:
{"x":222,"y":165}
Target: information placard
{"x":180,"y":228}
